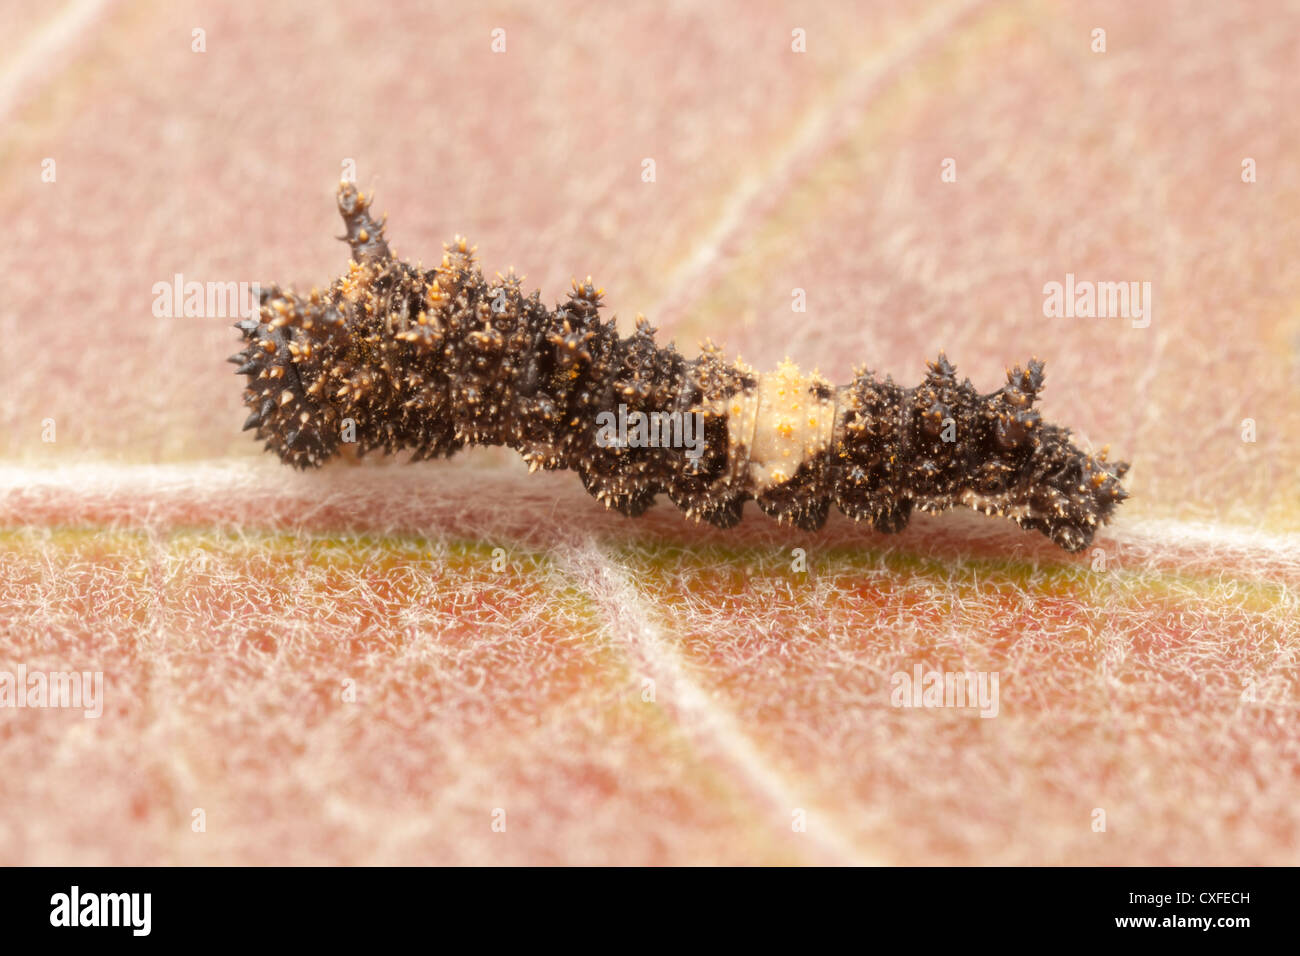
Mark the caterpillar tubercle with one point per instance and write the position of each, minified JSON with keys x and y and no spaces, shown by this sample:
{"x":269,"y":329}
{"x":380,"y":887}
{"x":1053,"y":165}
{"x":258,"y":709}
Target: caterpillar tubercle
{"x":394,"y":357}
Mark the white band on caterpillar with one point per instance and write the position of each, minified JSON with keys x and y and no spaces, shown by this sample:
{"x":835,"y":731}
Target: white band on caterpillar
{"x":782,"y":422}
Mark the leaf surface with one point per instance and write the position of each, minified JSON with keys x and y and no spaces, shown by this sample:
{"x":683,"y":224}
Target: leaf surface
{"x":652,"y":691}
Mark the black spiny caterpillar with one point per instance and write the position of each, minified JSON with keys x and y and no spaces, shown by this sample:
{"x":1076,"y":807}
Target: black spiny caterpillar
{"x":397,"y":357}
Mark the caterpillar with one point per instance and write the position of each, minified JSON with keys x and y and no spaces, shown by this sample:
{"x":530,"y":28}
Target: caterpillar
{"x":396,"y":357}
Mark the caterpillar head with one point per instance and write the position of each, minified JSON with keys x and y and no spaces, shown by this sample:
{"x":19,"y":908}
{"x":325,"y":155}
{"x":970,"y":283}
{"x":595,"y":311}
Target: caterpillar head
{"x":281,"y":358}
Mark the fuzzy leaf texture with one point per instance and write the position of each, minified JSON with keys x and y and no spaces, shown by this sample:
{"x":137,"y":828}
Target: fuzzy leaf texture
{"x":462,"y":662}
